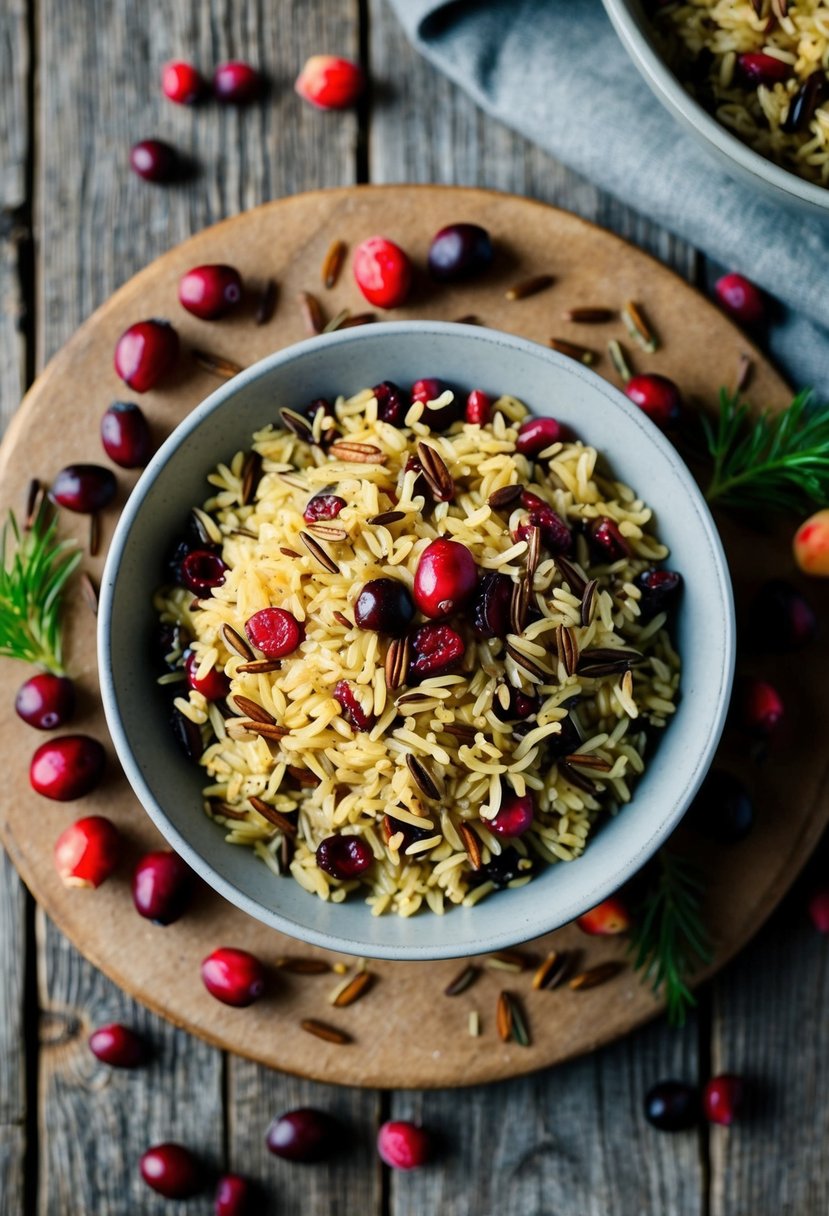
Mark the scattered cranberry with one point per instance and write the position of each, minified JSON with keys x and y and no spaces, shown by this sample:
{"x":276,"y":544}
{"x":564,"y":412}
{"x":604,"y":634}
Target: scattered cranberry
{"x":722,"y":1099}
{"x":66,"y":768}
{"x":85,"y":488}
{"x":759,"y":708}
{"x":780,"y":618}
{"x":275,"y":632}
{"x":437,"y":418}
{"x":656,"y":396}
{"x":607,"y":919}
{"x":323,"y":506}
{"x":353,"y":711}
{"x":154,"y":160}
{"x":392,"y":404}
{"x":521,"y":705}
{"x":607,"y":538}
{"x":445,"y":578}
{"x":234,"y":1196}
{"x":811,"y":544}
{"x":515,"y":815}
{"x":118,"y":1046}
{"x":182,"y":83}
{"x":145,"y":353}
{"x":46,"y":701}
{"x":234,"y":977}
{"x":125,"y":435}
{"x":344,"y":856}
{"x":741,"y":299}
{"x":478,"y":408}
{"x":459,"y":251}
{"x":304,"y":1135}
{"x":172,"y":1170}
{"x":237,"y":83}
{"x":819,"y":910}
{"x":213,"y":686}
{"x":383,"y":272}
{"x":210,"y":291}
{"x":88,"y":852}
{"x":491,"y":605}
{"x":672,"y":1106}
{"x":556,"y":537}
{"x":162,"y":886}
{"x":722,"y":809}
{"x":384,"y":605}
{"x":536,"y":434}
{"x":660,"y":591}
{"x":755,"y":68}
{"x":330,"y":83}
{"x":403,"y":1145}
{"x":436,"y":649}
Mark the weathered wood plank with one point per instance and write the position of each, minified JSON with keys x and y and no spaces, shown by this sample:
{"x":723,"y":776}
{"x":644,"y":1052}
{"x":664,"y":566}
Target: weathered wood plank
{"x":12,"y":1062}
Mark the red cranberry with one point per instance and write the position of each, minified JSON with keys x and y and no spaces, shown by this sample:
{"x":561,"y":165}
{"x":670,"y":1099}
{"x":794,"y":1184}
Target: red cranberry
{"x":403,"y":1145}
{"x":427,"y":389}
{"x":660,"y":591}
{"x":85,"y":488}
{"x":607,"y":538}
{"x":125,"y":435}
{"x":234,"y":977}
{"x":330,"y":83}
{"x":504,"y":868}
{"x":182,"y":83}
{"x":445,"y":578}
{"x":515,"y":815}
{"x":384,"y":605}
{"x":154,"y":160}
{"x":536,"y":434}
{"x":353,"y":711}
{"x":213,"y":686}
{"x":607,"y":919}
{"x":392,"y":403}
{"x":780,"y":618}
{"x":304,"y":1135}
{"x":275,"y":632}
{"x":118,"y":1046}
{"x":234,"y":1196}
{"x":323,"y":506}
{"x":145,"y":353}
{"x":555,"y":535}
{"x":46,"y":701}
{"x":759,"y":708}
{"x":741,"y":299}
{"x":437,"y":418}
{"x":88,"y":852}
{"x":187,"y":734}
{"x":66,"y":768}
{"x":478,"y":408}
{"x":201,"y":571}
{"x":819,"y":910}
{"x":722,"y":809}
{"x":755,"y":67}
{"x":162,"y":886}
{"x":491,"y":605}
{"x":172,"y":1170}
{"x":237,"y":83}
{"x":383,"y":272}
{"x":722,"y":1099}
{"x":656,"y":396}
{"x":210,"y":292}
{"x":672,"y":1106}
{"x":521,"y":705}
{"x":436,"y":649}
{"x":344,"y":856}
{"x":459,"y":251}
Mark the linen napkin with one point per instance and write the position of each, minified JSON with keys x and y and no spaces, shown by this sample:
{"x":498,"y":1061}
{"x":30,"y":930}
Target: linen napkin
{"x":555,"y":71}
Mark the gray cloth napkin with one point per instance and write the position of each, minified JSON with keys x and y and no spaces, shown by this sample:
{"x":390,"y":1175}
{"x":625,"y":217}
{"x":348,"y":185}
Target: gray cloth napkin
{"x":555,"y":71}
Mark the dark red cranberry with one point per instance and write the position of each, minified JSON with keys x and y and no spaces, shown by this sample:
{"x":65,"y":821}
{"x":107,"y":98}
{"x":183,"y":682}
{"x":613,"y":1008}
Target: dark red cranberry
{"x":304,"y":1135}
{"x":234,"y":977}
{"x":607,"y":539}
{"x":85,"y":488}
{"x":403,"y":1145}
{"x":66,"y":768}
{"x":213,"y":686}
{"x":491,"y":605}
{"x":88,"y":852}
{"x":172,"y":1170}
{"x":275,"y":632}
{"x":353,"y":711}
{"x":660,"y":591}
{"x":162,"y":887}
{"x":755,"y":68}
{"x":201,"y":571}
{"x":311,"y":410}
{"x":344,"y":856}
{"x":445,"y":578}
{"x":819,"y":910}
{"x":521,"y":705}
{"x":323,"y":506}
{"x":722,"y":809}
{"x":211,"y":291}
{"x":556,"y":537}
{"x":171,"y":642}
{"x":536,"y":434}
{"x":459,"y":251}
{"x":187,"y":735}
{"x":437,"y":418}
{"x":237,"y":83}
{"x":478,"y":408}
{"x":503,"y":869}
{"x":436,"y":649}
{"x":154,"y":160}
{"x":515,"y":815}
{"x":145,"y":353}
{"x":759,"y":708}
{"x":330,"y":82}
{"x":46,"y":701}
{"x":125,"y":434}
{"x":383,"y":272}
{"x":672,"y":1106}
{"x":565,"y":742}
{"x":384,"y":605}
{"x":409,"y":831}
{"x":741,"y":300}
{"x":182,"y":83}
{"x":722,"y":1098}
{"x":392,"y":403}
{"x":656,"y":396}
{"x":780,"y":619}
{"x":118,"y":1046}
{"x":234,"y":1196}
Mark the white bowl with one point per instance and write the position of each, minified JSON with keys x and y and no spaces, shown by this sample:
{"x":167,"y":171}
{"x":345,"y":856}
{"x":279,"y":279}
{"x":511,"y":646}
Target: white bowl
{"x":168,"y":785}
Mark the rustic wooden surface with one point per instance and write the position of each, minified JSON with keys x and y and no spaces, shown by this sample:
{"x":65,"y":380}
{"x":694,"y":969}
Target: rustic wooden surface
{"x":571,"y":1141}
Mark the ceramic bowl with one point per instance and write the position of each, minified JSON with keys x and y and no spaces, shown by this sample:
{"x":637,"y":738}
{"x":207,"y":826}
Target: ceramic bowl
{"x":168,"y":785}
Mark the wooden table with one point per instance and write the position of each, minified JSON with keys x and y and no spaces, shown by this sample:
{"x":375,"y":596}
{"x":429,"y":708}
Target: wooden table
{"x":79,"y":84}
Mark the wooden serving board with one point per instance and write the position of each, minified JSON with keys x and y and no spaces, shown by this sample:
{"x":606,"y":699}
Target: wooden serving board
{"x":404,"y":1032}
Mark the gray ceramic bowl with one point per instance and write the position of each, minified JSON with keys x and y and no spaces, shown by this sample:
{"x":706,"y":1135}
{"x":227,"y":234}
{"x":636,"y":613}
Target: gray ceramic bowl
{"x":761,"y":175}
{"x":168,"y":785}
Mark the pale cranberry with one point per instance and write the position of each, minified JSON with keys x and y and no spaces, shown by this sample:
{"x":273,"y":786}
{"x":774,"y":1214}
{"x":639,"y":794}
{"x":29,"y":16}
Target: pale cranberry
{"x":213,"y":686}
{"x":66,"y":768}
{"x":755,"y":67}
{"x":210,"y":291}
{"x":403,"y":1145}
{"x":722,"y":1098}
{"x":305,"y":1134}
{"x":352,"y":708}
{"x":201,"y":571}
{"x":445,"y":578}
{"x":536,"y":434}
{"x":459,"y":251}
{"x":478,"y":408}
{"x":88,"y":852}
{"x":118,"y":1046}
{"x":383,"y":272}
{"x":172,"y":1170}
{"x":330,"y":83}
{"x":234,"y":1196}
{"x":125,"y":435}
{"x":811,"y":544}
{"x":819,"y":910}
{"x":384,"y":605}
{"x":85,"y":488}
{"x":154,"y":160}
{"x":237,"y":83}
{"x":145,"y":353}
{"x":162,"y":887}
{"x":233,"y":977}
{"x":275,"y":632}
{"x":46,"y":701}
{"x":656,"y":396}
{"x":608,"y":918}
{"x":182,"y":82}
{"x":741,"y":299}
{"x":436,"y":649}
{"x":759,"y":708}
{"x":344,"y":856}
{"x":515,"y":815}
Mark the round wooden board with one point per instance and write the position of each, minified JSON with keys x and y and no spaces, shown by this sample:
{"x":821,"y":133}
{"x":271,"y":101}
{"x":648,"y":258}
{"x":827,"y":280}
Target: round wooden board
{"x":405,"y":1032}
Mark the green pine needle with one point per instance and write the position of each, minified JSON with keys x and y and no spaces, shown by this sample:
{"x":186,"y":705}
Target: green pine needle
{"x":34,"y":569}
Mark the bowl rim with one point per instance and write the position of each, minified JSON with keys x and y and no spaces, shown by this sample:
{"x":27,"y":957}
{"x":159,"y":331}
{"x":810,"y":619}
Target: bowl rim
{"x":201,"y":865}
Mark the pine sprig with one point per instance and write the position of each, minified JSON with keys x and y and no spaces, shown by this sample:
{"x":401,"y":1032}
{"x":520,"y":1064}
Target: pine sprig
{"x":34,"y":569}
{"x":669,"y":938}
{"x":778,"y":460}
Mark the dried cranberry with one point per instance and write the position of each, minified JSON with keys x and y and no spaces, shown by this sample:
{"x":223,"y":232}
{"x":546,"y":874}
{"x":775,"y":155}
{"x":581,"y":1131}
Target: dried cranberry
{"x":672,"y":1106}
{"x":323,"y":506}
{"x":521,"y":705}
{"x":459,"y":251}
{"x":409,"y":831}
{"x":478,"y":408}
{"x":171,"y":641}
{"x":607,"y":539}
{"x":660,"y":591}
{"x":722,"y":1098}
{"x":392,"y":403}
{"x":344,"y":856}
{"x":383,"y":272}
{"x":566,"y":741}
{"x":515,"y":815}
{"x":445,"y":578}
{"x":353,"y":711}
{"x":491,"y":606}
{"x":384,"y":605}
{"x":656,"y":396}
{"x":759,"y":708}
{"x":311,"y":410}
{"x":210,"y":292}
{"x":722,"y":810}
{"x":202,"y":570}
{"x":436,"y":649}
{"x":125,"y":435}
{"x":213,"y":686}
{"x":556,"y":537}
{"x":755,"y":68}
{"x":46,"y":701}
{"x":85,"y":488}
{"x":275,"y":632}
{"x":187,"y":734}
{"x":502,"y":869}
{"x":428,"y":389}
{"x":780,"y":618}
{"x":536,"y":434}
{"x":436,"y":417}
{"x":305,"y":1134}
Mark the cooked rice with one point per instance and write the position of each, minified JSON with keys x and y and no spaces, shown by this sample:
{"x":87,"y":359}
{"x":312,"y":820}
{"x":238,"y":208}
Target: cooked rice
{"x":363,"y":776}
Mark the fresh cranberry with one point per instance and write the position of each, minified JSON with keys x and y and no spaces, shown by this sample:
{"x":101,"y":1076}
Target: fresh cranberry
{"x":85,"y":488}
{"x":403,"y":1145}
{"x":384,"y":605}
{"x":491,"y":605}
{"x":660,"y":591}
{"x":201,"y":571}
{"x":436,"y":649}
{"x":344,"y":856}
{"x":304,"y":1135}
{"x":755,"y":67}
{"x":118,"y":1046}
{"x":478,"y":408}
{"x":759,"y":708}
{"x":515,"y":815}
{"x":162,"y":887}
{"x":275,"y":632}
{"x":125,"y":434}
{"x":234,"y":977}
{"x":392,"y":403}
{"x":780,"y":619}
{"x":656,"y":396}
{"x":154,"y":160}
{"x":741,"y":299}
{"x":607,"y":919}
{"x":66,"y":768}
{"x":521,"y":705}
{"x":722,"y":1099}
{"x":536,"y":434}
{"x":46,"y":701}
{"x":445,"y":578}
{"x":672,"y":1106}
{"x":383,"y":272}
{"x":234,"y":1196}
{"x":323,"y":506}
{"x":88,"y":852}
{"x":213,"y":686}
{"x":819,"y":910}
{"x":722,"y":809}
{"x":182,"y":82}
{"x":145,"y":353}
{"x":210,"y":291}
{"x":330,"y":83}
{"x":606,"y":537}
{"x":353,"y":711}
{"x":237,"y":83}
{"x":172,"y":1170}
{"x":459,"y":251}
